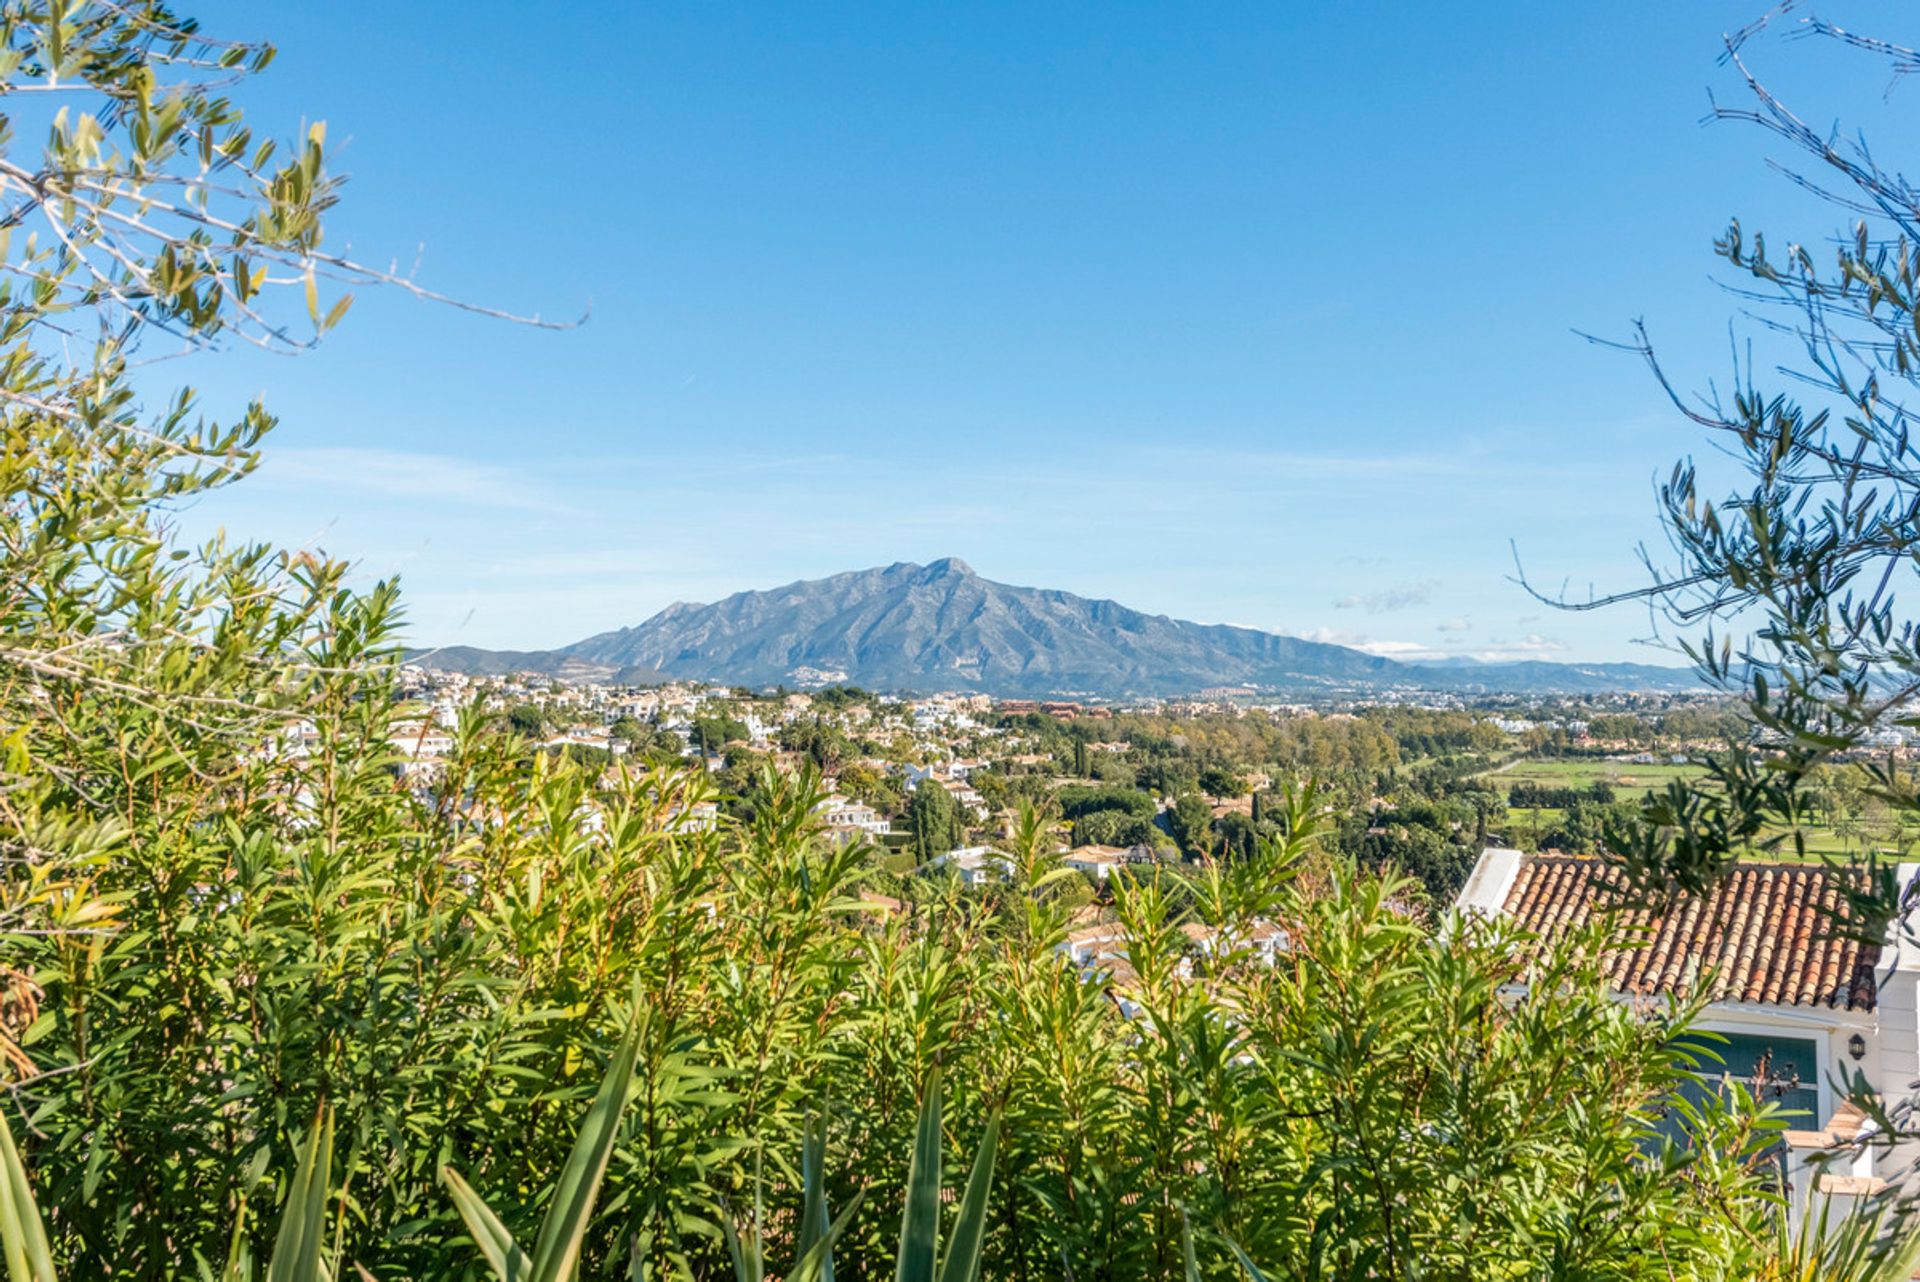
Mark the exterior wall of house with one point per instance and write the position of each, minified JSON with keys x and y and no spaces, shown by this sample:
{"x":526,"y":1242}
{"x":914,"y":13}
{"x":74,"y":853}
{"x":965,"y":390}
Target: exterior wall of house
{"x":1895,"y":1051}
{"x":1093,"y":867}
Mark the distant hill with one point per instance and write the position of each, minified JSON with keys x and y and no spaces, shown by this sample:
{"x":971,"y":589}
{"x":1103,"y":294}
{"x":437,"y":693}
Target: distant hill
{"x":943,"y":627}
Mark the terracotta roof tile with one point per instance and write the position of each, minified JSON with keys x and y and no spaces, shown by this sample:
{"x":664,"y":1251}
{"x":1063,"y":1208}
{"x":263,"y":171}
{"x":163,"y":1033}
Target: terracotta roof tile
{"x":1764,"y":934}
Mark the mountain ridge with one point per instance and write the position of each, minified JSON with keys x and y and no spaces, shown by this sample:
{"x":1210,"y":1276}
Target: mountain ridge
{"x":941,"y":626}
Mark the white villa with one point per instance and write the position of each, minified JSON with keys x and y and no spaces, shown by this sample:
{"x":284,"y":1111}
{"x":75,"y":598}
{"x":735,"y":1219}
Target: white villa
{"x":849,"y":821}
{"x":1097,"y":862}
{"x":974,"y":865}
{"x":1099,"y":952}
{"x":1800,"y":1007}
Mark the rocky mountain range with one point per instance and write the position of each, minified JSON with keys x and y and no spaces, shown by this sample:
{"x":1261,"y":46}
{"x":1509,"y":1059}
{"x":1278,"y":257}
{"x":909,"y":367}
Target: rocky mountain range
{"x":943,"y":627}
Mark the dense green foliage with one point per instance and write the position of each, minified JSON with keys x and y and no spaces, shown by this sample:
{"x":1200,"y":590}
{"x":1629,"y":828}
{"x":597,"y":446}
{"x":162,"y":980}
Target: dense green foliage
{"x":712,"y":733}
{"x":932,"y":821}
{"x":1535,"y":795}
{"x":445,"y":986}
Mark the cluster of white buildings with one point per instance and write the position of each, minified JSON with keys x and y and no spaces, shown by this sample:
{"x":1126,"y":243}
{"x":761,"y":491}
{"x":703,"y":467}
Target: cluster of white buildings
{"x":928,"y":741}
{"x":588,"y":713}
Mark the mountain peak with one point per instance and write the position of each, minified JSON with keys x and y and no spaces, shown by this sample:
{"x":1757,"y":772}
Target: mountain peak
{"x":942,"y":627}
{"x":949,"y":567}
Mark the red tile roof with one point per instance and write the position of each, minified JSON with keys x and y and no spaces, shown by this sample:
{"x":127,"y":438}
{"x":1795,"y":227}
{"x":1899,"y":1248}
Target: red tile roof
{"x":1766,"y":932}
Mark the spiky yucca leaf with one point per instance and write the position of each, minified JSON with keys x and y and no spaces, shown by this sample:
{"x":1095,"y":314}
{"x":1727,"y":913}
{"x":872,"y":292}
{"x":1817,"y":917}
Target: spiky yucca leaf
{"x":1903,"y":1260}
{"x":299,"y":1249}
{"x":496,"y":1245}
{"x":970,"y":1229}
{"x":556,"y":1252}
{"x":748,"y":1254}
{"x":23,"y":1238}
{"x":1192,"y":1262}
{"x":816,"y":1263}
{"x":814,"y":1248}
{"x":1898,"y":1247}
{"x":239,"y":1266}
{"x":920,"y":1217}
{"x":813,"y":1202}
{"x":1252,"y":1270}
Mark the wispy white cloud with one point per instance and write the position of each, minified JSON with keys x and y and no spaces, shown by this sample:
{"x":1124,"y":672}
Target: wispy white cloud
{"x":402,"y":474}
{"x":1410,"y":651}
{"x":1459,"y":623}
{"x":1333,"y":636}
{"x":1531,"y":646}
{"x":1497,"y":650}
{"x":1401,"y":596}
{"x":1406,"y":651}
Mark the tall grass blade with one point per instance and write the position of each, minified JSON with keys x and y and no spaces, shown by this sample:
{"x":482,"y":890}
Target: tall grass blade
{"x":1186,"y":1247}
{"x":1902,"y":1258}
{"x":970,"y":1230}
{"x":556,"y":1254}
{"x":239,"y":1267}
{"x":299,"y":1247}
{"x":23,"y":1238}
{"x":813,"y":1208}
{"x":1252,"y":1270}
{"x":502,"y":1254}
{"x":920,"y":1218}
{"x":746,"y":1267}
{"x":819,"y":1256}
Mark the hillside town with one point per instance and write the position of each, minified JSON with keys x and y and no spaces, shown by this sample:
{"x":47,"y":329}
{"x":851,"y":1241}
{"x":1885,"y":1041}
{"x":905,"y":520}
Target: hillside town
{"x":935,"y":781}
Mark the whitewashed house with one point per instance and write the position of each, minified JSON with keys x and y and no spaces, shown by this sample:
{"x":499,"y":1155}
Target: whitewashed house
{"x":1097,"y":862}
{"x":1800,"y":1007}
{"x":974,"y":865}
{"x":1099,"y":953}
{"x":1088,"y":946}
{"x":1263,"y":941}
{"x":850,"y":821}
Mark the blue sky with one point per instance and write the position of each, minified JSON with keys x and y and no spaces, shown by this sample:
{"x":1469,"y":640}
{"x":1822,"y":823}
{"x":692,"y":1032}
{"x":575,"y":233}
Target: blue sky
{"x":1253,"y":313}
